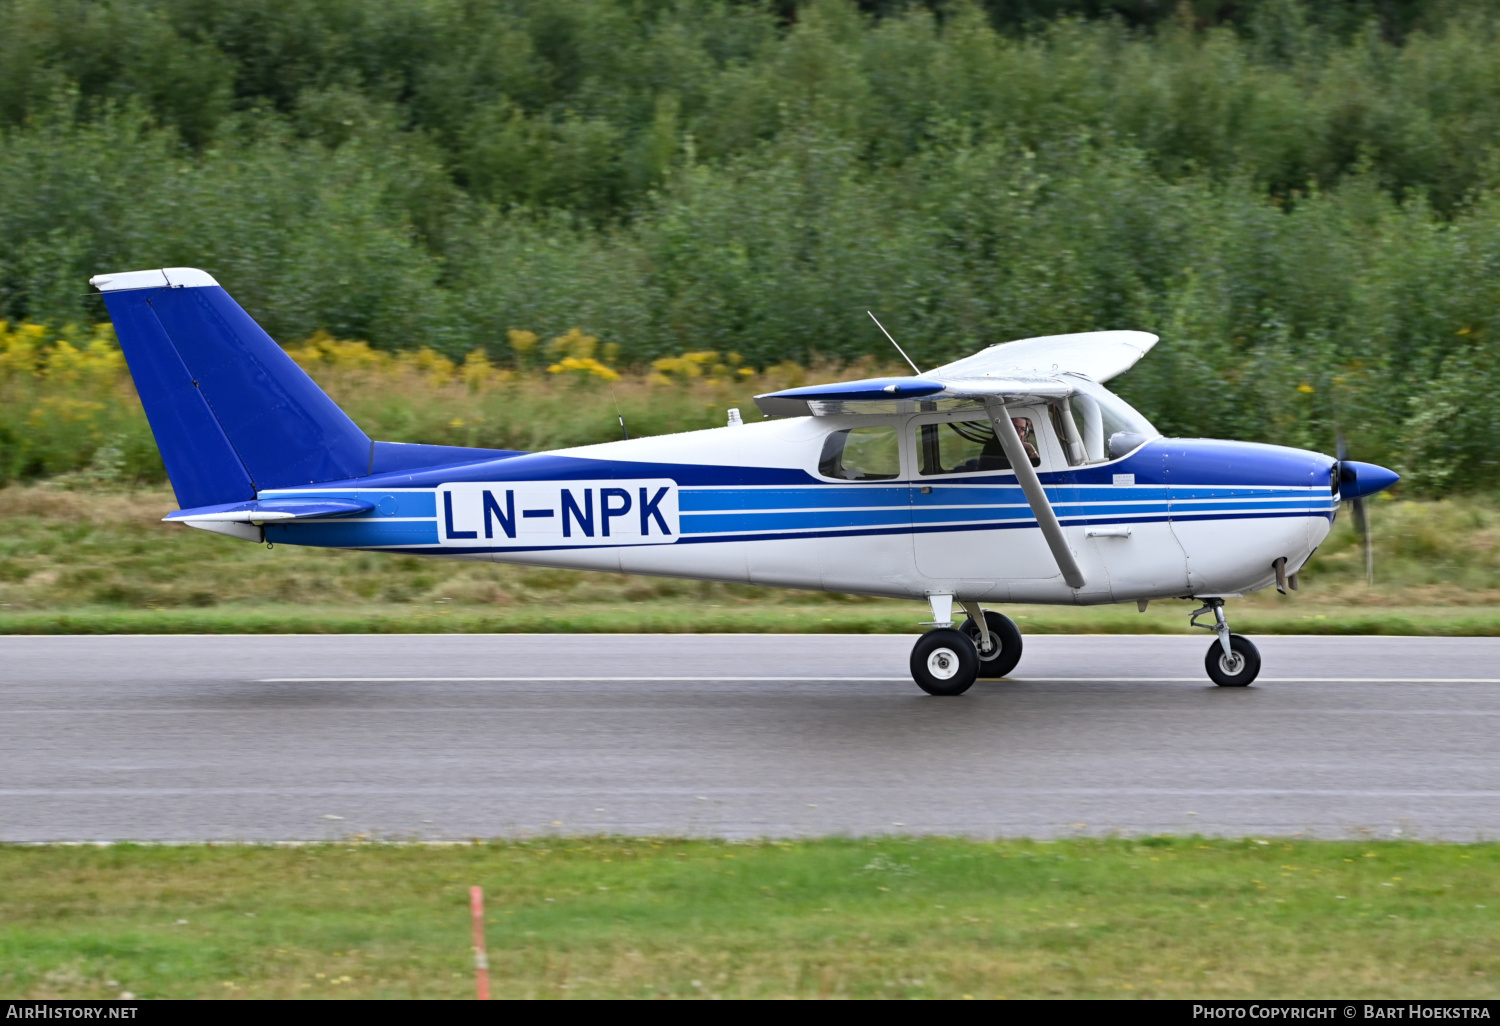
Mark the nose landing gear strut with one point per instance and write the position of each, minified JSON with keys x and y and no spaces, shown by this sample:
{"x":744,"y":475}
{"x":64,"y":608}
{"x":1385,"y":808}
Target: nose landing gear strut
{"x":1232,"y":661}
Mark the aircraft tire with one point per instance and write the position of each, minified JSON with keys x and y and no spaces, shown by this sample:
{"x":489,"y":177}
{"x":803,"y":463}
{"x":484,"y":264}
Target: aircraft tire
{"x":1007,"y":633}
{"x":1227,"y":675}
{"x":944,"y":662}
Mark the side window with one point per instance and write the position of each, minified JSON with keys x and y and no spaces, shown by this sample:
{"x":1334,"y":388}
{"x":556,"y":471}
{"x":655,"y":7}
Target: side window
{"x":969,"y":446}
{"x":862,"y":454}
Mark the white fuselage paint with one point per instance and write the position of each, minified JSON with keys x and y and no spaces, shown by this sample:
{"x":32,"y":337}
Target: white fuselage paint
{"x":1155,"y":559}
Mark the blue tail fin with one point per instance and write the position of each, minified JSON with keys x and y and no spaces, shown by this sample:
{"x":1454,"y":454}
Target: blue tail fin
{"x":231,"y":411}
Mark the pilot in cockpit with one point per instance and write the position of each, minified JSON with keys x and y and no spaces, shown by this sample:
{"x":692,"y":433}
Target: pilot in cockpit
{"x":1023,"y":428}
{"x":992,"y":456}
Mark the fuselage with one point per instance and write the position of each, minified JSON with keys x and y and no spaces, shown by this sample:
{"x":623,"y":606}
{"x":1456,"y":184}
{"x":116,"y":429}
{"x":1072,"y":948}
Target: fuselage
{"x":752,"y":504}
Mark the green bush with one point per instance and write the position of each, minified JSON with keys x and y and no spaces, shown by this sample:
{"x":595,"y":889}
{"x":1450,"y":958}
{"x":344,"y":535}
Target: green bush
{"x":1298,"y":195}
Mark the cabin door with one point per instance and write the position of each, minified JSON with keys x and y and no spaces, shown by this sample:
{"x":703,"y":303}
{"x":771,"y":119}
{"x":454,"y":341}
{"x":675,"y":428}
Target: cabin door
{"x":970,"y":520}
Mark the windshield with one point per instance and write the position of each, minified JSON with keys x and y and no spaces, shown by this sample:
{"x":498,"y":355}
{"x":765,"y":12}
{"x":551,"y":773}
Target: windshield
{"x":1104,"y":426}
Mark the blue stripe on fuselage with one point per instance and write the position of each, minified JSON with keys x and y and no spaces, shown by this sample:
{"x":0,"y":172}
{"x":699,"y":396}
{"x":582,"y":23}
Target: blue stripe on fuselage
{"x":709,"y":500}
{"x":355,"y":534}
{"x":784,"y":520}
{"x":791,"y":520}
{"x":392,"y":503}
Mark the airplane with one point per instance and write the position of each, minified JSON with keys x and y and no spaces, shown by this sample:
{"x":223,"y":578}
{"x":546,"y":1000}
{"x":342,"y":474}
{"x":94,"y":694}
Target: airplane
{"x":1012,"y":475}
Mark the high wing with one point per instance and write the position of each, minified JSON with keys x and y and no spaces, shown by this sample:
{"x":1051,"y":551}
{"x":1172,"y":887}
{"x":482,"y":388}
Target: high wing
{"x":1024,"y":371}
{"x":1100,"y":355}
{"x":1021,"y":372}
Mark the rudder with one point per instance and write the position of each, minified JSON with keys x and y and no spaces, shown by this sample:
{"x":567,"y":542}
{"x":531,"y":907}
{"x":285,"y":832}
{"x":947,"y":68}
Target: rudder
{"x":231,"y":411}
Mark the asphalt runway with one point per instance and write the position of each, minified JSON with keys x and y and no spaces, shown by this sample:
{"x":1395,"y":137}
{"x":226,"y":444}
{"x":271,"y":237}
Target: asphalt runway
{"x":432,"y":736}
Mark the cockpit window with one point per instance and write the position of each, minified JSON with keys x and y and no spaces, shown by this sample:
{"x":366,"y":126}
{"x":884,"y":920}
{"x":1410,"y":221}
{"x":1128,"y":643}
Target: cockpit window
{"x":969,"y":446}
{"x":1095,"y":425}
{"x":862,"y":454}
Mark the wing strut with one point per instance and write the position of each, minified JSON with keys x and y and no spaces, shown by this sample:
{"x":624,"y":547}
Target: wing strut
{"x":1010,"y":441}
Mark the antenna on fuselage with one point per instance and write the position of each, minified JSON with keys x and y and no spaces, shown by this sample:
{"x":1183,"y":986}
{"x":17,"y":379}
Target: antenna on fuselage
{"x":887,"y":334}
{"x":619,"y":414}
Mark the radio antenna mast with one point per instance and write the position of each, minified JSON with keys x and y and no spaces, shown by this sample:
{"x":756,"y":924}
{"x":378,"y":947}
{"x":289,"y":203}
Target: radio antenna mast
{"x":620,"y":414}
{"x":887,"y":334}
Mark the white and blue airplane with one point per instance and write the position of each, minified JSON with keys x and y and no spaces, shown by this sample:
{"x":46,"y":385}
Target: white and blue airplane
{"x":1011,"y":475}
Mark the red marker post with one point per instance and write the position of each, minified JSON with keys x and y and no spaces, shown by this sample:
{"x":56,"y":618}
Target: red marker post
{"x":481,"y":960}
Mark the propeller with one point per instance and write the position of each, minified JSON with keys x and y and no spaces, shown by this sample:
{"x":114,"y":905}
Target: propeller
{"x":1361,"y":518}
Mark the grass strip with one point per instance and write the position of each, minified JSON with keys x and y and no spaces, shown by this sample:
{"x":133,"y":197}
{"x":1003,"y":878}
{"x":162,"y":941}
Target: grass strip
{"x":640,"y":917}
{"x":84,"y":560}
{"x":668,"y":617}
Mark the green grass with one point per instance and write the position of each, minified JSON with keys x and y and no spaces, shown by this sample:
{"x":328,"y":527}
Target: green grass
{"x":668,"y":617}
{"x":631,"y":917}
{"x":81,"y":560}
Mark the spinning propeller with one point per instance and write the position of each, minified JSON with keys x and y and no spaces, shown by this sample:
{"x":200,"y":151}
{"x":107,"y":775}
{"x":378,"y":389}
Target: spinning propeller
{"x":1356,"y":480}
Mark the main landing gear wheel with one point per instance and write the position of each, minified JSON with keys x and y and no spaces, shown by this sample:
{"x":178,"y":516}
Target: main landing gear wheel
{"x":943,"y":662}
{"x":1236,"y":670}
{"x":1006,"y":654}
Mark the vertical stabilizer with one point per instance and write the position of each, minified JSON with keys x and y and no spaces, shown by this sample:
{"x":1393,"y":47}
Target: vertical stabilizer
{"x":231,"y":411}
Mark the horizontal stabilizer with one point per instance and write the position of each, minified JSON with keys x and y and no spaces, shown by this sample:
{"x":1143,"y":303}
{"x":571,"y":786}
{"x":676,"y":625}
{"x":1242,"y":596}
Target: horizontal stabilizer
{"x":265,"y":510}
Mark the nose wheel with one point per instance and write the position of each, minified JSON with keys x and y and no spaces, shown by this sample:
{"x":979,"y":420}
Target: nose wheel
{"x":944,"y":662}
{"x":1232,"y":661}
{"x":1238,"y":667}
